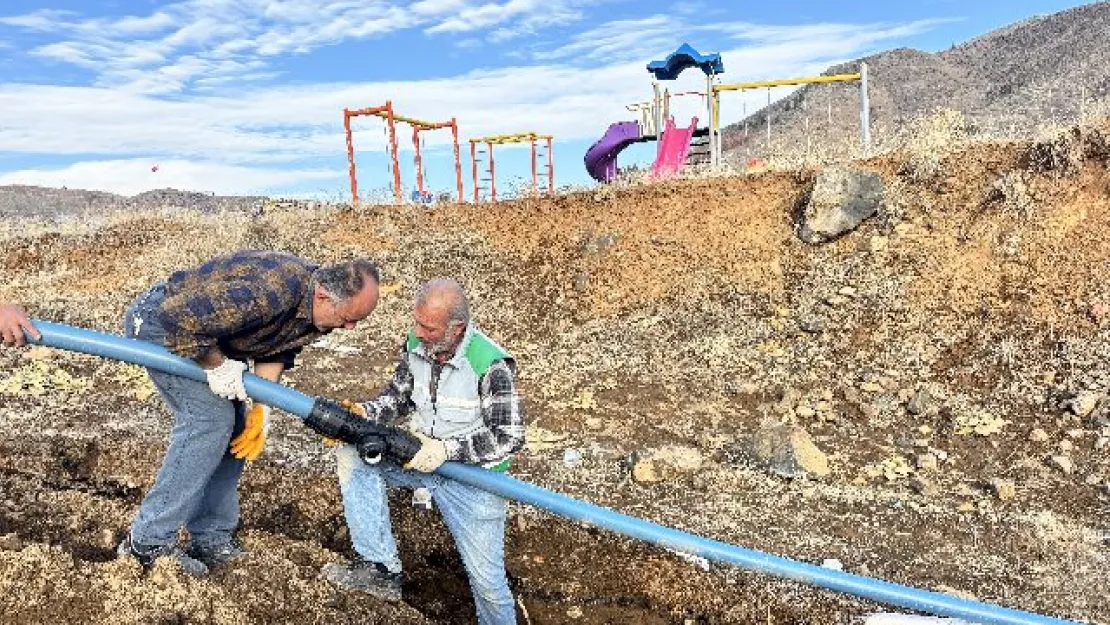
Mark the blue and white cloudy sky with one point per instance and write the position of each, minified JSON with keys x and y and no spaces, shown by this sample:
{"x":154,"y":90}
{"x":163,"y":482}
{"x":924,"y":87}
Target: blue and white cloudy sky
{"x":245,"y":96}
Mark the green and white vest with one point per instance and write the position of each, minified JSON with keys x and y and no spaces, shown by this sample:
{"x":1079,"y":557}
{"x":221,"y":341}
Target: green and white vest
{"x":457,"y":411}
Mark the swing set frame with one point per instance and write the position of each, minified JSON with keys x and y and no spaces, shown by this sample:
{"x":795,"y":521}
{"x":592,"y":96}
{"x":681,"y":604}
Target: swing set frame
{"x":387,"y":113}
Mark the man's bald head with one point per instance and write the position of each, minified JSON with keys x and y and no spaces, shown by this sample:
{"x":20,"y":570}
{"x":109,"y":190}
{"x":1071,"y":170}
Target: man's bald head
{"x":446,"y":295}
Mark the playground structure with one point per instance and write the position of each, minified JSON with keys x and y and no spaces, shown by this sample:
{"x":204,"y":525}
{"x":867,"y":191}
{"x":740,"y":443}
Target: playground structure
{"x":864,"y":112}
{"x":386,"y":112}
{"x":655,"y":122}
{"x":548,"y":174}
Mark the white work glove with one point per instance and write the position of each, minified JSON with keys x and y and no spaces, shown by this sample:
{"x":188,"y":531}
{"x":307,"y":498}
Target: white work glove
{"x":226,"y":380}
{"x":432,"y":454}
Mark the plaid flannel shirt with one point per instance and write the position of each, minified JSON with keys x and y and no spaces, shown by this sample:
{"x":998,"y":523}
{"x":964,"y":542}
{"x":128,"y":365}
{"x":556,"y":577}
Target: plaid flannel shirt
{"x":502,"y":412}
{"x":250,"y":304}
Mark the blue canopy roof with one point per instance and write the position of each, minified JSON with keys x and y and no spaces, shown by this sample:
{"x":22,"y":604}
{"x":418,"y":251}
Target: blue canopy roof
{"x":683,"y":58}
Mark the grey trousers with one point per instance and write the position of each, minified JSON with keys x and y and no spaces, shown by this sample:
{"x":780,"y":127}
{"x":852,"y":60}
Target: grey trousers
{"x":197,"y":486}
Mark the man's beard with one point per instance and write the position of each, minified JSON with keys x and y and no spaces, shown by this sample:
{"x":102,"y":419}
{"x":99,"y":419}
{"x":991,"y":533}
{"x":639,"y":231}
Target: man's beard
{"x":437,"y":348}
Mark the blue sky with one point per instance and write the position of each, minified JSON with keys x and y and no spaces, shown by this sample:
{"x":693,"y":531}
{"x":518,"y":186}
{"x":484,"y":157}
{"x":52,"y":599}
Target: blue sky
{"x":246,"y":96}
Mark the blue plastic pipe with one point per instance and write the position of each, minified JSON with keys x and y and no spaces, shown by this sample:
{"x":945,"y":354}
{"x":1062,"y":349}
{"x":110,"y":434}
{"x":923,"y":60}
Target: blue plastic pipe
{"x":158,"y":357}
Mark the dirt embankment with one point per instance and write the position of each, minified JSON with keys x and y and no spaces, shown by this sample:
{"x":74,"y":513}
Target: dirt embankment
{"x":949,"y":357}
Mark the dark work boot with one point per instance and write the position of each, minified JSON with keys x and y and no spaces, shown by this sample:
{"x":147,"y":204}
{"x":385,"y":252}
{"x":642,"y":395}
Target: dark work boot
{"x":365,"y":576}
{"x":147,"y":554}
{"x":217,"y":554}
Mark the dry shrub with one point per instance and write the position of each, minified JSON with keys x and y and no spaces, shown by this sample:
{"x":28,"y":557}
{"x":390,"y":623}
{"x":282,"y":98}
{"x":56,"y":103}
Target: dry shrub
{"x":901,"y":201}
{"x":1011,"y":193}
{"x":1060,"y":153}
{"x":929,"y":140}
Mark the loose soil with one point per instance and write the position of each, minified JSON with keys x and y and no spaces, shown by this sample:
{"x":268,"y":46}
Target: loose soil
{"x":681,"y":314}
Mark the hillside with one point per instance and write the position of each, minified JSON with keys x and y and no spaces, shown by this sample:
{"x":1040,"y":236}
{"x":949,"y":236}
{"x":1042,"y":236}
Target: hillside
{"x":950,"y":358}
{"x":1008,"y":82}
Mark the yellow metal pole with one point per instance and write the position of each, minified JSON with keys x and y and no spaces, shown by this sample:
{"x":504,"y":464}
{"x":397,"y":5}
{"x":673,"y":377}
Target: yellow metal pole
{"x":741,"y":86}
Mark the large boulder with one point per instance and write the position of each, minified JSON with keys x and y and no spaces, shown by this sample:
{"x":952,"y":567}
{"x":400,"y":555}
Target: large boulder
{"x":841,"y":199}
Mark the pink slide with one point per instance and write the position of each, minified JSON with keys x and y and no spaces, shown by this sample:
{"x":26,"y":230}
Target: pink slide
{"x":673,"y":149}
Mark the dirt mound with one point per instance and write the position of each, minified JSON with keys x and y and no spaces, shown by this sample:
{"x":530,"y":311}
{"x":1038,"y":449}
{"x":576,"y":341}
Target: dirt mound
{"x":949,"y":357}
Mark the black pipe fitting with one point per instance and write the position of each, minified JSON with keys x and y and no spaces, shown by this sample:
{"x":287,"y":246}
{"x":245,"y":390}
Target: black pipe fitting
{"x":373,"y":440}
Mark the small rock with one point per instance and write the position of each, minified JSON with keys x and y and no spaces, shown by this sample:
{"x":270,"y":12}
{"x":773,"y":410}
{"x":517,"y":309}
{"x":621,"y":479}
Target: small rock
{"x":804,"y":412}
{"x":871,"y":387}
{"x":1003,"y":489}
{"x":38,"y":352}
{"x":922,"y":486}
{"x":1038,"y":436}
{"x":575,"y":612}
{"x":1083,"y":404}
{"x":1098,"y":312}
{"x":875,"y":244}
{"x":788,"y":451}
{"x":1064,"y":463}
{"x":571,"y":458}
{"x":836,"y":300}
{"x":811,"y":326}
{"x":847,"y":291}
{"x":827,"y":395}
{"x":11,"y":542}
{"x":921,"y":402}
{"x":851,"y":395}
{"x":824,"y":406}
{"x":1066,"y":446}
{"x":1076,"y":433}
{"x":963,"y":594}
{"x":966,"y":506}
{"x":644,"y":472}
{"x":581,"y":282}
{"x":927,"y":462}
{"x":107,"y":539}
{"x":594,"y":423}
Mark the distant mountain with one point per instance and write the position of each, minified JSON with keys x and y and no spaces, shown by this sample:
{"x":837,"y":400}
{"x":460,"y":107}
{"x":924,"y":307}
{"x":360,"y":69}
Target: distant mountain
{"x":49,"y":203}
{"x":1009,"y":80}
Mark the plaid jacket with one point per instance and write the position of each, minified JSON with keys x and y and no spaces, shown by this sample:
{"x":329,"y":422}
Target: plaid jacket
{"x":250,"y":304}
{"x":502,"y":412}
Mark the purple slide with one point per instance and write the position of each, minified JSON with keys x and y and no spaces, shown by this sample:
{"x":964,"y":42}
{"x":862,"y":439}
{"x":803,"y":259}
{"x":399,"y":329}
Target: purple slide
{"x":601,"y":158}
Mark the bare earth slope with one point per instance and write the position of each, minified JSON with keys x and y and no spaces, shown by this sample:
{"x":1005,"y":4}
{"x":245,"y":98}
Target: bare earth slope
{"x":950,"y":357}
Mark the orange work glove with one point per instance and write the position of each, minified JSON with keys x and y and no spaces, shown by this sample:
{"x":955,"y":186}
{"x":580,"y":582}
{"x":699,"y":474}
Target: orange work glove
{"x":248,"y":445}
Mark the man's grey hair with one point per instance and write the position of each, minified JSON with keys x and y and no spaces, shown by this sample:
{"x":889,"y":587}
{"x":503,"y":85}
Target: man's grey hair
{"x":458,"y":308}
{"x":347,"y":279}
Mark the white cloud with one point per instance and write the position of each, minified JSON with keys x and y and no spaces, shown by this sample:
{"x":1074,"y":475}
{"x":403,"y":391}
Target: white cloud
{"x":620,"y":40}
{"x":43,"y":20}
{"x":532,"y":14}
{"x":190,"y":41}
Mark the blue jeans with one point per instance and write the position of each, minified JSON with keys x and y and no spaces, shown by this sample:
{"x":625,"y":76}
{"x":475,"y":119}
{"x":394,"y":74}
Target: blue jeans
{"x":197,"y":486}
{"x":475,"y":518}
